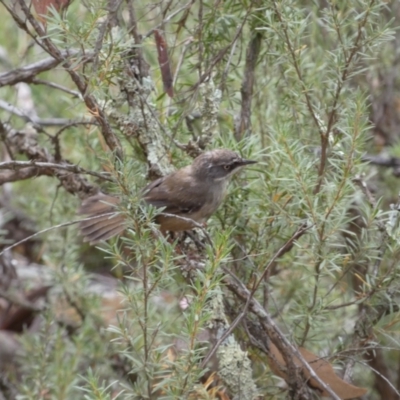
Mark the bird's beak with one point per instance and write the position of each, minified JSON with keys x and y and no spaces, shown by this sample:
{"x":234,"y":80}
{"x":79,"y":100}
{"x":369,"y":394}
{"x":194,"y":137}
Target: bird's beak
{"x":244,"y":162}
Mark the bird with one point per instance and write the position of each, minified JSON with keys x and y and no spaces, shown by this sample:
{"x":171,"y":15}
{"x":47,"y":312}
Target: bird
{"x":187,"y":197}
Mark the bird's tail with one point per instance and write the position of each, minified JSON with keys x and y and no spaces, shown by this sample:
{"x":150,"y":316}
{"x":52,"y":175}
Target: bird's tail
{"x":105,"y":220}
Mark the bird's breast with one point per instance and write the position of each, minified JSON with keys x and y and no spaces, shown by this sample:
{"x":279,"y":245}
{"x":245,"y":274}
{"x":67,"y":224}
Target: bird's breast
{"x":216,"y":195}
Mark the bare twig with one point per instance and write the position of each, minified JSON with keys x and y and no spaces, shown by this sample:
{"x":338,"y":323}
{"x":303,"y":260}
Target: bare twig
{"x":73,"y":93}
{"x":25,"y":142}
{"x":27,"y":73}
{"x":386,"y":388}
{"x":283,"y":344}
{"x":13,"y":165}
{"x":51,"y":228}
{"x":39,"y":121}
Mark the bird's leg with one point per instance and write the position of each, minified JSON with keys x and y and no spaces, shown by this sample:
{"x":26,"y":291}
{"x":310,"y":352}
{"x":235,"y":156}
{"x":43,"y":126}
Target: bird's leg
{"x":192,"y":235}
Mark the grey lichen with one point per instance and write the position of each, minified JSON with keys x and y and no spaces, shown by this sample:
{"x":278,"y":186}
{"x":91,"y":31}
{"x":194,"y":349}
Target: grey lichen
{"x":235,"y":370}
{"x":141,"y":123}
{"x":209,"y":111}
{"x":218,"y":312}
{"x":234,"y":365}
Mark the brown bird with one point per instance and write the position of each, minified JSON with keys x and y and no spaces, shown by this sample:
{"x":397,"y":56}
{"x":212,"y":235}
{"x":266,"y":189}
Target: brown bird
{"x":193,"y":193}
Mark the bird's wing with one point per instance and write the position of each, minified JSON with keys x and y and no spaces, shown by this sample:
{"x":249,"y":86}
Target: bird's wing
{"x":181,"y":199}
{"x":103,"y":219}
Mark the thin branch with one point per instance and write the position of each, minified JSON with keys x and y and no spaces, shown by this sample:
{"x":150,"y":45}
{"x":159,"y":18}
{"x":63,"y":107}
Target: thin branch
{"x":13,"y":165}
{"x":284,"y":346}
{"x":51,"y":228}
{"x":284,"y":249}
{"x":383,"y":378}
{"x":27,"y":73}
{"x":25,"y":143}
{"x":39,"y":121}
{"x":73,"y":93}
{"x":20,"y":175}
{"x":91,"y":103}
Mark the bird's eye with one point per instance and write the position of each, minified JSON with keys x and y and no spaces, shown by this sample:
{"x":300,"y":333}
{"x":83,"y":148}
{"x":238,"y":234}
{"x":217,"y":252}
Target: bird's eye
{"x":227,"y":167}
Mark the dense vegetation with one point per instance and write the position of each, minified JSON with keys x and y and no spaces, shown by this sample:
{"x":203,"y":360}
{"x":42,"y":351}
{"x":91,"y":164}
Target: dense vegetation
{"x":295,"y":274}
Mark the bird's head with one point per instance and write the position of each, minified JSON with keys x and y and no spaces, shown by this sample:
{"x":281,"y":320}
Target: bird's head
{"x":218,"y":164}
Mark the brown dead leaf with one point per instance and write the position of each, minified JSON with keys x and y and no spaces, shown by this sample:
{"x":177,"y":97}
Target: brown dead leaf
{"x":163,"y":60}
{"x":42,"y":7}
{"x":322,"y":368}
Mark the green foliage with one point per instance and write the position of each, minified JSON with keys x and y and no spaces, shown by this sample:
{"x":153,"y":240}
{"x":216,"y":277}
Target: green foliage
{"x":310,"y":128}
